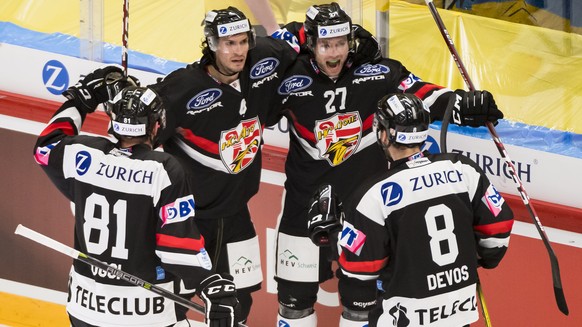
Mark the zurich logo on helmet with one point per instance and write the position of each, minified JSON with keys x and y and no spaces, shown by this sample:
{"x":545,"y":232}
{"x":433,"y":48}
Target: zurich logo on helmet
{"x":323,"y":32}
{"x":294,"y":83}
{"x":222,"y":30}
{"x":204,"y":99}
{"x":264,"y":67}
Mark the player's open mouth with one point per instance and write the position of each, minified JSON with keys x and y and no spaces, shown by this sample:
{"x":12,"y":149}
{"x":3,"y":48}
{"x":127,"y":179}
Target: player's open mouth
{"x":333,"y":64}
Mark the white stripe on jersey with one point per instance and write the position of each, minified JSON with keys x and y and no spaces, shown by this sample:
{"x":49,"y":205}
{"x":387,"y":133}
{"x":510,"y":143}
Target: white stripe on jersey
{"x":493,"y":242}
{"x":122,"y":174}
{"x":116,"y":306}
{"x":202,"y":159}
{"x":360,"y":277}
{"x":407,"y":187}
{"x":69,"y":113}
{"x":193,"y":260}
{"x":430,"y":100}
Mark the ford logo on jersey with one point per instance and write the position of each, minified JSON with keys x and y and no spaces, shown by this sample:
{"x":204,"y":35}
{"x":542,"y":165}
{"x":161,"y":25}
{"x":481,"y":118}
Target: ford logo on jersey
{"x":177,"y":211}
{"x":294,"y":83}
{"x":204,"y":99}
{"x":391,"y":193}
{"x":370,"y":70}
{"x":264,"y":67}
{"x":55,"y":77}
{"x":82,"y":162}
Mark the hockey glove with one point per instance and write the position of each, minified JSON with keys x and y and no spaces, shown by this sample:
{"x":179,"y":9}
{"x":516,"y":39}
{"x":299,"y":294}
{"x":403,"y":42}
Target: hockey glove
{"x":285,"y":35}
{"x":325,"y":217}
{"x":222,"y":306}
{"x":95,"y":88}
{"x":367,"y":49}
{"x":476,"y":109}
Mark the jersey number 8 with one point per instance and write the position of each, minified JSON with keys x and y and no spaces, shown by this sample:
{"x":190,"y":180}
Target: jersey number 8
{"x":443,"y":241}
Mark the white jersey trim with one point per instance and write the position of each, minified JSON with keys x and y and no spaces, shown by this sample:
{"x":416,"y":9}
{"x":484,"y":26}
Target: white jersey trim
{"x":200,"y":158}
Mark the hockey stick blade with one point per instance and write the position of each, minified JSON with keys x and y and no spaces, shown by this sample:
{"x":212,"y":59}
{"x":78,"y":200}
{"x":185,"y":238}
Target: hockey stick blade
{"x":66,"y":250}
{"x":557,"y":281}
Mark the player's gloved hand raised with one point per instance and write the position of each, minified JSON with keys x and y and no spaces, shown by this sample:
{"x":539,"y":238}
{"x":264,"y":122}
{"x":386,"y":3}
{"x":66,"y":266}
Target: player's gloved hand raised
{"x":476,"y":109}
{"x":222,"y":306}
{"x":325,"y":216}
{"x":95,"y":88}
{"x":367,"y":48}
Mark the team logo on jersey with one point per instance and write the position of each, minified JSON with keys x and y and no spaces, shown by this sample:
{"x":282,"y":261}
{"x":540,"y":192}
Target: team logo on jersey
{"x":493,"y":200}
{"x":294,"y":83}
{"x":370,"y":70}
{"x":82,"y":162}
{"x":264,"y":67}
{"x":408,"y":82}
{"x":55,"y":77}
{"x":391,"y":193}
{"x":352,"y":239}
{"x":177,"y":211}
{"x":203,"y":101}
{"x":43,"y":153}
{"x":338,"y":137}
{"x":239,"y":146}
{"x":398,"y":314}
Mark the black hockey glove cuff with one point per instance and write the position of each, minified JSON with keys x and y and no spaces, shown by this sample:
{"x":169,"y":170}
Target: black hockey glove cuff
{"x":222,"y":306}
{"x":367,"y":48}
{"x":476,"y":109}
{"x":325,"y":217}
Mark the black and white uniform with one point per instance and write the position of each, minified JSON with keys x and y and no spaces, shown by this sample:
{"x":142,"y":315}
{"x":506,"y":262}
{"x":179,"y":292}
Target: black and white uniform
{"x":332,"y":142}
{"x":133,"y":210}
{"x":216,"y":132}
{"x":419,"y":231}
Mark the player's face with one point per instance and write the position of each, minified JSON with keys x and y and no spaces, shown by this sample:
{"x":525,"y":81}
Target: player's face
{"x":331,"y":54}
{"x":231,"y":53}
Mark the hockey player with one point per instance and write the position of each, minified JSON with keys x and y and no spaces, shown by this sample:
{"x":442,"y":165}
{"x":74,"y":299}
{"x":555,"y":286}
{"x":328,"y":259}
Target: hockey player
{"x":133,"y":209}
{"x":417,"y":231}
{"x":217,"y":109}
{"x":330,"y":103}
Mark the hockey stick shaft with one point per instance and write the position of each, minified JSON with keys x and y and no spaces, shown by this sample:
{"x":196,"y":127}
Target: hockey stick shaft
{"x":125,"y":36}
{"x":483,"y":305}
{"x":62,"y":248}
{"x":557,"y":281}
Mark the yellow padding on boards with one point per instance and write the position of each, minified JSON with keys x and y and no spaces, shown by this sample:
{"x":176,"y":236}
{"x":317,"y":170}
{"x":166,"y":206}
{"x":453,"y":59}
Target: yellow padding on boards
{"x":21,"y":311}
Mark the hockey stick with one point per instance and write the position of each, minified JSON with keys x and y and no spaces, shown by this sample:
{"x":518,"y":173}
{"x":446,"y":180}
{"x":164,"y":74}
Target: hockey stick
{"x":66,"y":250}
{"x":125,"y":36}
{"x":557,"y":281}
{"x":483,"y":305}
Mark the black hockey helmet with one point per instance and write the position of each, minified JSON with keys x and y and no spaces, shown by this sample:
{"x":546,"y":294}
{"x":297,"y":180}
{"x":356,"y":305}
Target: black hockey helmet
{"x":326,"y":21}
{"x":405,"y":118}
{"x":134,"y":111}
{"x":225,"y":22}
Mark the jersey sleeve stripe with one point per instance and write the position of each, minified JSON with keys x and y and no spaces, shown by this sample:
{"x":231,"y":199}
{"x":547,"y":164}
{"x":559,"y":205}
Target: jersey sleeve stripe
{"x":65,"y":127}
{"x":362,"y":266}
{"x":199,"y":141}
{"x":180,"y":242}
{"x":495,"y":228}
{"x":492,"y":243}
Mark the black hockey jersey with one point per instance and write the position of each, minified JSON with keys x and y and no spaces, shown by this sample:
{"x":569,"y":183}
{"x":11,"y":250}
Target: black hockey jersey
{"x":330,"y":123}
{"x":422,"y":229}
{"x":216,"y":131}
{"x":134,"y":211}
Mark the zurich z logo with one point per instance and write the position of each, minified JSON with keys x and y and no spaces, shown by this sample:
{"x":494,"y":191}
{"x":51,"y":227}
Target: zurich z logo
{"x":391,"y":193}
{"x":371,"y":70}
{"x":82,"y":162}
{"x":204,"y":99}
{"x":264,"y":67}
{"x":222,"y":30}
{"x":283,"y":323}
{"x":294,"y":83}
{"x":55,"y":77}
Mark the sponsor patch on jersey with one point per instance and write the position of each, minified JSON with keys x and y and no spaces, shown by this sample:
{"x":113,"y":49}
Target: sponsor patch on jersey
{"x":42,"y":154}
{"x":264,"y":67}
{"x":391,"y":193}
{"x":82,"y":162}
{"x":370,"y":70}
{"x":493,"y":200}
{"x":408,"y":82}
{"x":239,"y":146}
{"x":294,"y":83}
{"x":352,"y":239}
{"x":177,"y":211}
{"x":337,"y":137}
{"x":203,"y":99}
